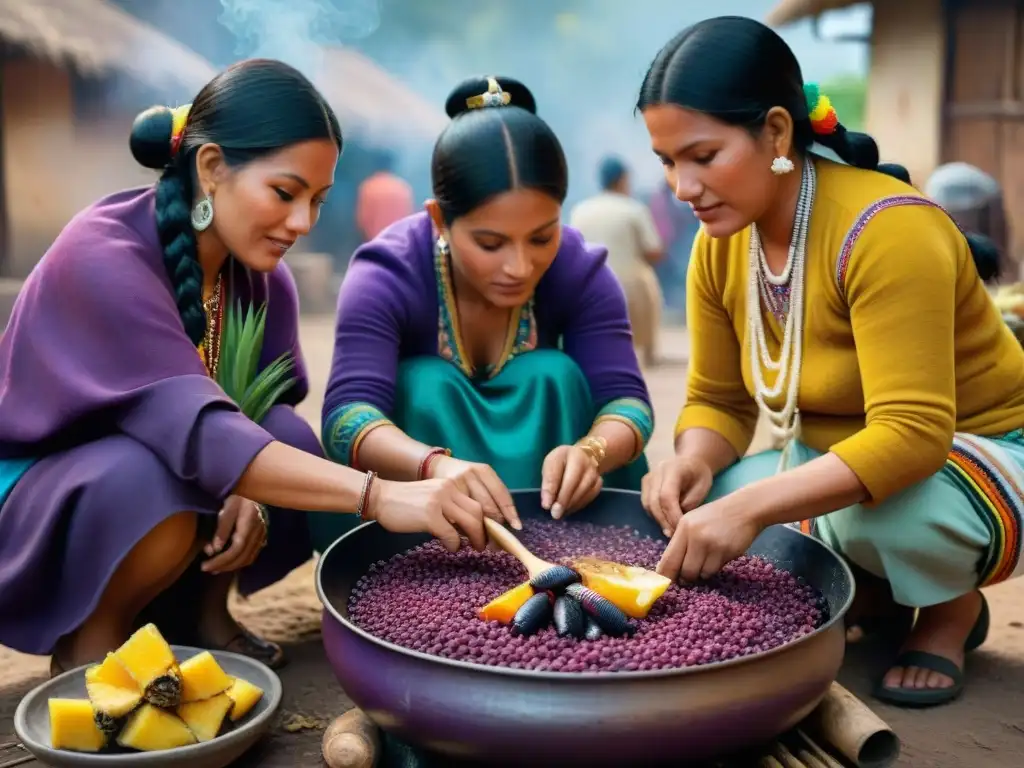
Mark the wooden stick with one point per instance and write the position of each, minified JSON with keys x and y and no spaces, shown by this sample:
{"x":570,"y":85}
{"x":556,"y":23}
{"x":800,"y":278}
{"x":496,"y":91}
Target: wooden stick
{"x":809,"y":760}
{"x":787,"y":758}
{"x":351,"y":741}
{"x":857,"y":733}
{"x":822,"y":755}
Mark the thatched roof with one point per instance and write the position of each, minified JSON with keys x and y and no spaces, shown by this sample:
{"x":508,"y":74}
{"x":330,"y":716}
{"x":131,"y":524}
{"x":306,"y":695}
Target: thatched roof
{"x":373,"y":103}
{"x":788,"y":11}
{"x":97,"y":38}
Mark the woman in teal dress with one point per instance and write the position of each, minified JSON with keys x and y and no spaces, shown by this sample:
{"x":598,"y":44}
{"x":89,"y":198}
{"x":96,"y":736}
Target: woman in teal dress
{"x":481,"y":340}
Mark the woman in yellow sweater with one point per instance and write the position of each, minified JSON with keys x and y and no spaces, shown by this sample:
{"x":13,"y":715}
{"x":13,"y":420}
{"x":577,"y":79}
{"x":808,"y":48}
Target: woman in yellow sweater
{"x":847,"y":308}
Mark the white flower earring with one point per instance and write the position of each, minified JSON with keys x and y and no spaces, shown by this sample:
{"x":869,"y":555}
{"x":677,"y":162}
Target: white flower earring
{"x":782,"y":165}
{"x":202,"y":214}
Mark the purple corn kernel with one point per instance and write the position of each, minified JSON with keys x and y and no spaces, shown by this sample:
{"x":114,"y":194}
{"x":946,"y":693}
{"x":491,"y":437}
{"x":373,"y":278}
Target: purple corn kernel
{"x":426,"y":599}
{"x":556,"y":578}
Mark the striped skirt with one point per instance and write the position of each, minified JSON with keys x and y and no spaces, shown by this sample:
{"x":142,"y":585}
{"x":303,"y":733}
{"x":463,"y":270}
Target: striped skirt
{"x":952,"y":533}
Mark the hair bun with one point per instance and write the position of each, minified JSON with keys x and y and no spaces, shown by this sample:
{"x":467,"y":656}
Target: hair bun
{"x":519,"y":95}
{"x":150,"y":139}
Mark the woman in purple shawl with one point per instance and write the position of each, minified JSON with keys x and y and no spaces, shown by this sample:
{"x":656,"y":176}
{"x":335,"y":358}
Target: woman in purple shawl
{"x":130,"y":481}
{"x":481,"y":340}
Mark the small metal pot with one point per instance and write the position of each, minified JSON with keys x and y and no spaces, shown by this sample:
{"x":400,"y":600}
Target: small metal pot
{"x":519,"y":717}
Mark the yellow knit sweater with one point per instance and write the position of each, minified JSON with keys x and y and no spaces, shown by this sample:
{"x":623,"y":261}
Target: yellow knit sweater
{"x":908,"y":351}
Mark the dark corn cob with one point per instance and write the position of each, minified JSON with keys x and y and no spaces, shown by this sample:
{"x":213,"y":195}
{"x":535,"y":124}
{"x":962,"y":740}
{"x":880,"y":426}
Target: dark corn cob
{"x":569,"y":617}
{"x":557,"y":577}
{"x":613,"y":621}
{"x":533,"y":616}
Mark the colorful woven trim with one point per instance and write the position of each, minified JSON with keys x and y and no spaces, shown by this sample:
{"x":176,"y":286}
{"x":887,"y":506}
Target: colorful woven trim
{"x":522,"y":330}
{"x":996,"y":485}
{"x":634,"y":413}
{"x":843,"y":262}
{"x":347,"y":426}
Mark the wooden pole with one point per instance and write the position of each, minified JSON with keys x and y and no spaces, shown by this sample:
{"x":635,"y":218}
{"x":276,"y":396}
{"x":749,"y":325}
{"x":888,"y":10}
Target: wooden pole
{"x":857,"y":733}
{"x":351,"y":741}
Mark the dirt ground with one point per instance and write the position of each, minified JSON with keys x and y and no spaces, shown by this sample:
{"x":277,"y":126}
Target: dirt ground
{"x":982,"y":730}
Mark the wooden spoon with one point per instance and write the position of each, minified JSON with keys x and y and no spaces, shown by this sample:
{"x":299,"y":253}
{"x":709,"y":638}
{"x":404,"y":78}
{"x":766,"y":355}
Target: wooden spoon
{"x":505,"y":539}
{"x":631,"y":589}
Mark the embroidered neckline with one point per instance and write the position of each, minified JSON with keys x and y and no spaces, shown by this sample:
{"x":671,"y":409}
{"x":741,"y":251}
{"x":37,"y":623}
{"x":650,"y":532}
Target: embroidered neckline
{"x":521,"y":335}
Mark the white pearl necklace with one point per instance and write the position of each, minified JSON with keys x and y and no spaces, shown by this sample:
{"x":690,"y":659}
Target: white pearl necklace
{"x":785,"y":423}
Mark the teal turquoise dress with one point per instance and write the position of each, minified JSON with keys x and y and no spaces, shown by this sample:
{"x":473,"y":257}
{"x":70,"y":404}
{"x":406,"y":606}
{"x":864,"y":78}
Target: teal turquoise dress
{"x":568,"y":362}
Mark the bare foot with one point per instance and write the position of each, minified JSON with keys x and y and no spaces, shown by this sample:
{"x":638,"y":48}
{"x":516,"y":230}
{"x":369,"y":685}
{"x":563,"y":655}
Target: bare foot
{"x":941,"y":630}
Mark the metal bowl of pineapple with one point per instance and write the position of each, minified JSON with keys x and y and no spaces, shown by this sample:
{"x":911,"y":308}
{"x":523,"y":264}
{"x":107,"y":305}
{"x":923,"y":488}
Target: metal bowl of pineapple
{"x":212,"y":739}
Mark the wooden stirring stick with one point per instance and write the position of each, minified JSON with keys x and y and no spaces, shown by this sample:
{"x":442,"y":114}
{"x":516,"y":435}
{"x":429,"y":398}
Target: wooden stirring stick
{"x":505,"y":539}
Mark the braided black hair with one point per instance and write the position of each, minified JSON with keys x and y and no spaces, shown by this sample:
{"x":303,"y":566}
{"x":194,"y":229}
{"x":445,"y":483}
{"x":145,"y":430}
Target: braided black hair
{"x":254,"y":108}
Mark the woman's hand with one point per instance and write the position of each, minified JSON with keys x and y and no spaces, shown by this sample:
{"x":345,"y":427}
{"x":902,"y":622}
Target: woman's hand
{"x":482,"y":484}
{"x":569,"y":480}
{"x":674,"y":487}
{"x":438,"y":507}
{"x":711,"y":536}
{"x":241,"y":526}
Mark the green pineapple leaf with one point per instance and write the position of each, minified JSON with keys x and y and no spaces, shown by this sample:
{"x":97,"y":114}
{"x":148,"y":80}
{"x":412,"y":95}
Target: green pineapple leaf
{"x":265,"y":389}
{"x":254,"y":391}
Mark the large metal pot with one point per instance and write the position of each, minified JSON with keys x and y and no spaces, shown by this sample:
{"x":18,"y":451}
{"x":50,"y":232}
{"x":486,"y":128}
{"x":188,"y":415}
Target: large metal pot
{"x":520,"y":717}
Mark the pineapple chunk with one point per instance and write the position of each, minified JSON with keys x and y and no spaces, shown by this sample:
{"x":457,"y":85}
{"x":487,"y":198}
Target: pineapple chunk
{"x":151,"y":729}
{"x":202,"y":678}
{"x":113,"y":693}
{"x":204,"y":718}
{"x":245,"y":695}
{"x":149,"y":660}
{"x":73,"y":727}
{"x":112,"y":673}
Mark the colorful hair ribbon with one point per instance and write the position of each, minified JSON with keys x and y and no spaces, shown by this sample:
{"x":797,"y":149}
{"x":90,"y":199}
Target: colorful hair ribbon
{"x":822,"y":114}
{"x":179,"y":116}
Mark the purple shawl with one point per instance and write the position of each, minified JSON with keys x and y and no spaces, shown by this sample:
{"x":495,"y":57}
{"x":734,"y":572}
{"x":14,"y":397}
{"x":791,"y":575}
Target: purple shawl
{"x":95,"y":347}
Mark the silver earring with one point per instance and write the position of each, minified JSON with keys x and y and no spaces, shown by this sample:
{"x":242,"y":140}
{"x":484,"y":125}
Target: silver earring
{"x":202,"y":214}
{"x":782,"y":166}
{"x":442,"y":247}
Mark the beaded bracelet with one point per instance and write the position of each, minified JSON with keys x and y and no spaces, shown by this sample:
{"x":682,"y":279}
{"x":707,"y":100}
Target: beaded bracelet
{"x":431,"y":455}
{"x":364,"y":498}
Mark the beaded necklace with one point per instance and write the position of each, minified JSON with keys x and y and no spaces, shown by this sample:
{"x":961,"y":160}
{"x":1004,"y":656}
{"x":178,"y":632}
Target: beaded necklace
{"x":762,"y":284}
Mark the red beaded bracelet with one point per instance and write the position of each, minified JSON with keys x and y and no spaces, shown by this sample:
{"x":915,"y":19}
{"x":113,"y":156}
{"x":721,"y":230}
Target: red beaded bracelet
{"x":431,"y":455}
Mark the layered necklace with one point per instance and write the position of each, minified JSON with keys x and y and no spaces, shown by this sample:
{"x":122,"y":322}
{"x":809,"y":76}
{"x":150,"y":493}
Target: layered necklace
{"x":783,"y":296}
{"x":211,"y":341}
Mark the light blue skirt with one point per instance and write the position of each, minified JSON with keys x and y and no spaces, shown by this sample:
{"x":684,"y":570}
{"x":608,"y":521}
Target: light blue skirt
{"x":952,"y":533}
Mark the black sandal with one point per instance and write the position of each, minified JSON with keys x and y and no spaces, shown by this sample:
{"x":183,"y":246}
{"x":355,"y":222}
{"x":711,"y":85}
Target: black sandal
{"x":248,"y":644}
{"x":932,"y":697}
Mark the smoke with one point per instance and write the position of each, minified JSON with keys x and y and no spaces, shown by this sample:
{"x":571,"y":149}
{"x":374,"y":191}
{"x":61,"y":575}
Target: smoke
{"x":294,"y":31}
